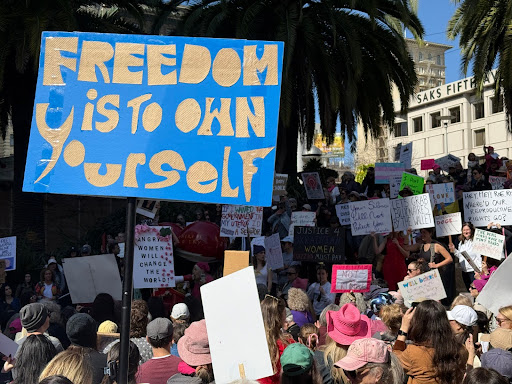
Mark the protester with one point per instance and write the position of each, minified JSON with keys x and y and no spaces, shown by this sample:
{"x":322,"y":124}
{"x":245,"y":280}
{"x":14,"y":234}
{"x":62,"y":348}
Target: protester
{"x":36,"y":321}
{"x":156,"y":307}
{"x":55,"y":379}
{"x":56,"y":328}
{"x":416,"y":268}
{"x":47,"y":288}
{"x":72,"y":364}
{"x":287,"y":248}
{"x":308,"y":336}
{"x":112,"y":366}
{"x":261,"y":268}
{"x":484,"y":376}
{"x":462,"y":319}
{"x":290,"y":326}
{"x":103,"y":308}
{"x":503,"y":318}
{"x":107,"y":327}
{"x":393,"y":268}
{"x":321,"y":323}
{"x":479,"y":183}
{"x":178,"y":330}
{"x":391,"y":316}
{"x":292,"y":274}
{"x":300,"y":306}
{"x":466,"y":245}
{"x":333,"y":190}
{"x":299,"y":366}
{"x":10,"y":303}
{"x":200,"y":277}
{"x":499,"y":360}
{"x":320,"y":292}
{"x":280,"y":221}
{"x":58,"y":271}
{"x":25,"y":286}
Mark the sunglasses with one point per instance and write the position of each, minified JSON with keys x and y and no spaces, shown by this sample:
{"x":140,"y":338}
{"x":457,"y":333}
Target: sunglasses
{"x":499,"y":321}
{"x":412,"y":270}
{"x":472,"y":287}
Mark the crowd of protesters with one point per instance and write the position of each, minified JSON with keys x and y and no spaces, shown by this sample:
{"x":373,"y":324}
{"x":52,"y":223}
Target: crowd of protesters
{"x":313,"y":335}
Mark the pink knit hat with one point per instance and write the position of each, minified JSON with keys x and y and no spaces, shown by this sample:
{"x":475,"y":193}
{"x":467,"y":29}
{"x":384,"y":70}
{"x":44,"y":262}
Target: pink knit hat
{"x":193,"y":347}
{"x":479,"y":284}
{"x":204,"y":266}
{"x":362,"y":352}
{"x":347,"y":325}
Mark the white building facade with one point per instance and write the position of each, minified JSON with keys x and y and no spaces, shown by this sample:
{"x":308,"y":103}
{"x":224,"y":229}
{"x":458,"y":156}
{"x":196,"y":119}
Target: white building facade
{"x":474,"y":123}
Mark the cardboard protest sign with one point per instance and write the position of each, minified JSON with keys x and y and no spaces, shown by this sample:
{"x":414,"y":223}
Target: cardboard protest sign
{"x":427,"y":164}
{"x":319,"y":244}
{"x":428,"y":285}
{"x":489,"y":244}
{"x":370,"y":216}
{"x":343,"y":213}
{"x":470,"y":261}
{"x":235,"y":261}
{"x":450,"y":224}
{"x":88,"y":276}
{"x":394,"y":185}
{"x":441,"y":193}
{"x":497,"y":182}
{"x":351,"y":278}
{"x":384,"y":171}
{"x":302,"y":219}
{"x":412,"y":212}
{"x":237,"y":220}
{"x":153,"y":258}
{"x":496,"y":292}
{"x":406,"y":154}
{"x":147,"y":208}
{"x":273,"y":251}
{"x":8,"y":252}
{"x":412,"y":181}
{"x":484,"y":207}
{"x":230,"y":343}
{"x":8,"y":347}
{"x":280,"y":180}
{"x":313,"y":185}
{"x":168,"y":104}
{"x":446,"y":161}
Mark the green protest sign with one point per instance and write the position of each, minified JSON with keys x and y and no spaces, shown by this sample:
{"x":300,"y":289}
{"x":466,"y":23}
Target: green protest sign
{"x":412,"y":181}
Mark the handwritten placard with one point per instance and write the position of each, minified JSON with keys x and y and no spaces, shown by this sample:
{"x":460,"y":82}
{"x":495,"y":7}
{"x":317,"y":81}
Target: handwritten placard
{"x":8,"y":252}
{"x":450,"y":224}
{"x":273,"y":251}
{"x":313,"y":185}
{"x":441,"y":193}
{"x":351,"y":278}
{"x":302,"y":219}
{"x":412,"y":212}
{"x":343,"y":213}
{"x":280,"y":180}
{"x":153,"y":258}
{"x":488,"y":243}
{"x":163,"y":101}
{"x":235,"y":261}
{"x":446,"y":161}
{"x":370,"y":216}
{"x":394,"y":186}
{"x":427,"y":164}
{"x":384,"y":171}
{"x":428,"y":285}
{"x":406,"y":154}
{"x":484,"y":207}
{"x":412,"y":181}
{"x":497,"y":182}
{"x":236,"y":220}
{"x":319,"y":244}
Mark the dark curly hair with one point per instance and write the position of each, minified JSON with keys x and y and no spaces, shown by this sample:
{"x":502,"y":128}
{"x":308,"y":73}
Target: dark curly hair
{"x":139,"y":318}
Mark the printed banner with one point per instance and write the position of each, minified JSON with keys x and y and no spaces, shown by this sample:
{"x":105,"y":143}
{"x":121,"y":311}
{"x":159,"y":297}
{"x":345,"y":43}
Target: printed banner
{"x":351,"y":278}
{"x":319,"y":244}
{"x":450,"y":224}
{"x":384,"y":171}
{"x":412,"y":181}
{"x":280,"y":180}
{"x":489,"y":244}
{"x":484,"y":207}
{"x":406,"y":154}
{"x":497,"y":182}
{"x":8,"y":252}
{"x":412,"y":212}
{"x":273,"y":251}
{"x":441,"y":193}
{"x":237,"y":220}
{"x":157,"y":117}
{"x":343,"y":213}
{"x":370,"y":216}
{"x":313,"y":185}
{"x":428,"y":285}
{"x":153,"y":258}
{"x":427,"y":164}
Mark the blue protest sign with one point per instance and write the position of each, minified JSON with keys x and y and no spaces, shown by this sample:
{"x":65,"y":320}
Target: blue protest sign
{"x":158,"y":117}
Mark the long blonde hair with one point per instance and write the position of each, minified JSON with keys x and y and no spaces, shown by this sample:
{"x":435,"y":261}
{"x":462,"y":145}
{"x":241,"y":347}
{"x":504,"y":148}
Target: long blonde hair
{"x":334,"y":352}
{"x":507,"y":312}
{"x":273,"y":310}
{"x":73,"y":364}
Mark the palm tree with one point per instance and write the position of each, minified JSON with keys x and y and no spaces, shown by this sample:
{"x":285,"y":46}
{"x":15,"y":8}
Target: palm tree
{"x":341,"y":60}
{"x":485,"y":39}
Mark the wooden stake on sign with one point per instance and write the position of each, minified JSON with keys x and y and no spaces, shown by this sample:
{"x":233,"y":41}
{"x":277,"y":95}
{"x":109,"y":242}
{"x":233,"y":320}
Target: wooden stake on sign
{"x":450,"y":239}
{"x":241,"y":369}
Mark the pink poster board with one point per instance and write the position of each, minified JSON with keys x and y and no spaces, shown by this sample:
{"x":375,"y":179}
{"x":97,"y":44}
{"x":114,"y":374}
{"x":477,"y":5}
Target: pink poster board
{"x":351,"y":278}
{"x":427,"y":164}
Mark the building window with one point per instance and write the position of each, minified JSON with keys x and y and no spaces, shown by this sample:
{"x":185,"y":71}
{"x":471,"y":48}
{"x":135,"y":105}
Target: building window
{"x":479,"y":110}
{"x":455,"y":114}
{"x":422,"y":81}
{"x":400,"y":129}
{"x":420,"y":57}
{"x":418,"y":124}
{"x":479,"y":137}
{"x":497,"y":103}
{"x":11,"y":139}
{"x":429,"y":57}
{"x":439,"y":83}
{"x":435,"y":119}
{"x":438,"y":60}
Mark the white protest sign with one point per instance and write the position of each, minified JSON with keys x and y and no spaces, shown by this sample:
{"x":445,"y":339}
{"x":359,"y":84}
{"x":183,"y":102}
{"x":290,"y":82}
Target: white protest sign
{"x":313,"y":185}
{"x":351,"y":278}
{"x":147,"y":208}
{"x":412,"y":212}
{"x":497,"y":182}
{"x":488,"y":243}
{"x":484,"y":207}
{"x":280,"y":180}
{"x":343,"y":213}
{"x":273,"y":251}
{"x":153,"y":258}
{"x":301,"y":219}
{"x":237,"y":219}
{"x":88,"y":276}
{"x":446,"y":161}
{"x":441,"y":193}
{"x":8,"y":347}
{"x":450,"y":224}
{"x":394,"y":185}
{"x":8,"y":252}
{"x":370,"y":216}
{"x":230,"y":343}
{"x":428,"y":285}
{"x":406,"y":154}
{"x":496,"y":292}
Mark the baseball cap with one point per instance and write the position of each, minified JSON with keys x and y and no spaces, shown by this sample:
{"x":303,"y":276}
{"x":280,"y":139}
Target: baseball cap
{"x":296,"y":359}
{"x":287,"y":239}
{"x":51,"y":260}
{"x":362,"y":352}
{"x":499,"y":360}
{"x":307,"y":206}
{"x":463,"y":314}
{"x":159,"y":329}
{"x":180,"y":311}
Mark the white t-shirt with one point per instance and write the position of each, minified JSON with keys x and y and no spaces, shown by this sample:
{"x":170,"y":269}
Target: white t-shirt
{"x":48,"y":290}
{"x":262,"y":275}
{"x":320,"y":301}
{"x":476,"y":257}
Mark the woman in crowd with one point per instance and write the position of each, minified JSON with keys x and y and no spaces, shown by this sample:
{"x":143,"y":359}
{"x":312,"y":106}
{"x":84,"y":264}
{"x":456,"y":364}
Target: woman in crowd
{"x":391,"y":316}
{"x":55,"y":379}
{"x":10,"y":302}
{"x":320,"y":292}
{"x":72,"y":364}
{"x":103,"y":308}
{"x":370,"y":361}
{"x":484,"y":376}
{"x":299,"y":304}
{"x":200,"y":276}
{"x":504,"y":317}
{"x":416,"y":268}
{"x":25,"y":286}
{"x":113,"y":364}
{"x":299,"y":366}
{"x":308,"y":336}
{"x":47,"y":288}
{"x":434,"y":355}
{"x":261,"y":268}
{"x":393,"y":268}
{"x":462,"y":319}
{"x":479,"y":183}
{"x":32,"y":357}
{"x":466,"y":245}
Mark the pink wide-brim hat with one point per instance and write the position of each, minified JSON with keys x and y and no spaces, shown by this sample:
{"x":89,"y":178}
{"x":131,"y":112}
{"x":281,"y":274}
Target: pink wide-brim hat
{"x":347,"y":325}
{"x":193,"y":347}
